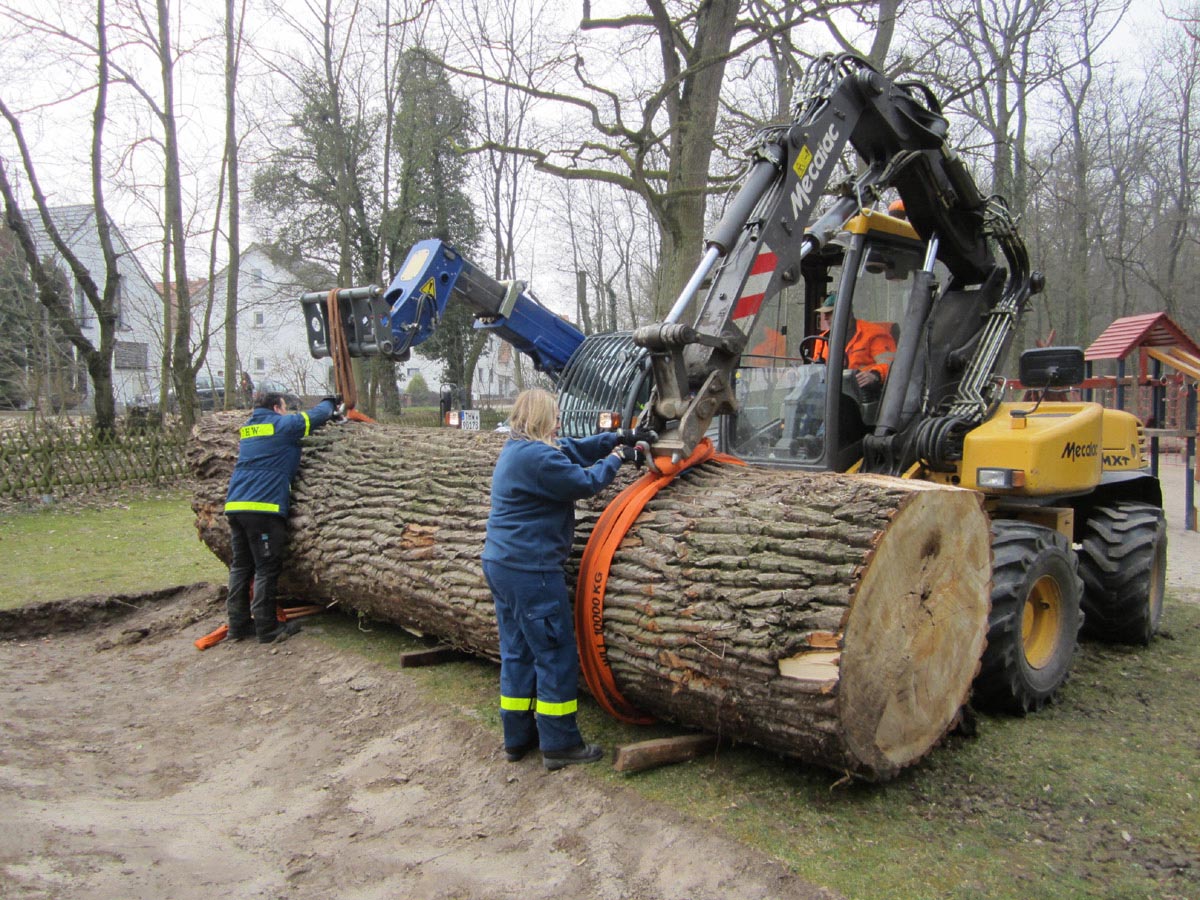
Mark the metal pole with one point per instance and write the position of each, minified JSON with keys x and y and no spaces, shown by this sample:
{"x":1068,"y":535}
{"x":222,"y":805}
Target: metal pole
{"x":693,"y":285}
{"x":1155,"y":417}
{"x":1189,"y":490}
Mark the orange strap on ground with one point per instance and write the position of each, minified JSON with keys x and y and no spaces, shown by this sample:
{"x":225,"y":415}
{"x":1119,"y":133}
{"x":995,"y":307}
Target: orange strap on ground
{"x":606,"y":537}
{"x":283,"y":615}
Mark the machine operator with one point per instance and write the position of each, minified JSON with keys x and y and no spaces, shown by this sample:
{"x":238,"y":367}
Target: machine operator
{"x":869,"y":350}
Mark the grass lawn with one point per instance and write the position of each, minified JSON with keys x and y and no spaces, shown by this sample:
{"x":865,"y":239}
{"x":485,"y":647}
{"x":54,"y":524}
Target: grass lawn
{"x":116,"y":545}
{"x":1098,"y":796}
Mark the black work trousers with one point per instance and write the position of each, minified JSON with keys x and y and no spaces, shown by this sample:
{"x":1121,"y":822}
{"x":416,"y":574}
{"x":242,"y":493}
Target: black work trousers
{"x":259,"y":541}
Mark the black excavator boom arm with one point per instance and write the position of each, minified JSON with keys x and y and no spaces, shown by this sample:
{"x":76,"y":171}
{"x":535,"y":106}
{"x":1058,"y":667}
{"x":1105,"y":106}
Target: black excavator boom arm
{"x":899,"y":134}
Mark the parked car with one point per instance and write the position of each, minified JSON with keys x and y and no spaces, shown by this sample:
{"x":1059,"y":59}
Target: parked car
{"x":268,"y":386}
{"x":210,"y":392}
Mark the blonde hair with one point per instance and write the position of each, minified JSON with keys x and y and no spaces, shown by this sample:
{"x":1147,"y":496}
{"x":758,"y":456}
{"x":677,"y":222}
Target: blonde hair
{"x":535,"y":416}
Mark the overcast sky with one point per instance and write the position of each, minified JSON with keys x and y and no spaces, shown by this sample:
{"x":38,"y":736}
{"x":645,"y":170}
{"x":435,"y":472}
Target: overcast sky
{"x":60,"y":134}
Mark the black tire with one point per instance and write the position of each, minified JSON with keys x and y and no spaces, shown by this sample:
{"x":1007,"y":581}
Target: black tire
{"x":1123,"y":561}
{"x":1033,"y":628}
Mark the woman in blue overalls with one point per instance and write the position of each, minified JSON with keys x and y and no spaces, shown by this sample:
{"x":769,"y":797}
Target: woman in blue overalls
{"x":537,"y":480}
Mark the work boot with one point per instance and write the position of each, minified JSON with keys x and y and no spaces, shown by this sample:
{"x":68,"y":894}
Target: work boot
{"x":281,"y":632}
{"x":584,"y":753}
{"x":239,"y":635}
{"x":516,"y":754}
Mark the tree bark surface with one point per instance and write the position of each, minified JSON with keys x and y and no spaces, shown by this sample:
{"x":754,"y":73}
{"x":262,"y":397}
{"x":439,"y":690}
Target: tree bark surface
{"x":832,"y":618}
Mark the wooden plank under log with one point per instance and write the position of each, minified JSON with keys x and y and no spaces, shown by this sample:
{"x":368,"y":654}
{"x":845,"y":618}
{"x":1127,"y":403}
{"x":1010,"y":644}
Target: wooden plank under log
{"x":662,"y":751}
{"x":835,"y":619}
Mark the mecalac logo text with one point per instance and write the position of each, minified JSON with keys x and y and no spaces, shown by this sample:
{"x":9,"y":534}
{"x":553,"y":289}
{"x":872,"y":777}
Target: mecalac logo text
{"x":1075,"y":452}
{"x":802,"y":194}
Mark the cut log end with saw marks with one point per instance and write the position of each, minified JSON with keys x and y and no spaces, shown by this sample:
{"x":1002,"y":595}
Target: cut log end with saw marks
{"x":834,"y":619}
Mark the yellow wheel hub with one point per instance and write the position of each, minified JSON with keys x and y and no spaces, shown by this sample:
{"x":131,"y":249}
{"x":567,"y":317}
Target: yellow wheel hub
{"x":1042,"y":621}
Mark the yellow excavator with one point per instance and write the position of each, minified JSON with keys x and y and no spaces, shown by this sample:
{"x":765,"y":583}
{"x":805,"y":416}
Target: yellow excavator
{"x":860,"y":209}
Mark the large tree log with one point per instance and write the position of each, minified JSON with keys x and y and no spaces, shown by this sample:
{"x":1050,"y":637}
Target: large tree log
{"x":837,"y":619}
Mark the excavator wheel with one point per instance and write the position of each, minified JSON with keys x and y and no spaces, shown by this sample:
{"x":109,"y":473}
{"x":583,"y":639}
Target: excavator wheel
{"x":1123,"y":561}
{"x":1033,"y":629}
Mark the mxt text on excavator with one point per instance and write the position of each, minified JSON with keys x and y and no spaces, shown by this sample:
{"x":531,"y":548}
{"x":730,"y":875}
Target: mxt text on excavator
{"x":1078,"y":534}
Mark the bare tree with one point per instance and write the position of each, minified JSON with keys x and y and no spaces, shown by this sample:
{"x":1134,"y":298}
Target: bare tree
{"x":1176,"y":165}
{"x":52,"y":291}
{"x":233,"y":43}
{"x":646,"y":120}
{"x":1073,"y":184}
{"x":988,"y":61}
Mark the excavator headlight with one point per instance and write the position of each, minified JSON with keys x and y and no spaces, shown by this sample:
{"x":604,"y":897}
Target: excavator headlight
{"x":1000,"y":479}
{"x":609,"y":421}
{"x":454,"y":418}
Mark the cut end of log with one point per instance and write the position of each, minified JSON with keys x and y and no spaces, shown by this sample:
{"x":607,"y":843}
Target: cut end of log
{"x":913,"y":638}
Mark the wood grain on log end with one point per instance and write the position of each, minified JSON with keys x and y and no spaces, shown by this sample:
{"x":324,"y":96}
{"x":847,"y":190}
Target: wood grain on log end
{"x":913,"y":639}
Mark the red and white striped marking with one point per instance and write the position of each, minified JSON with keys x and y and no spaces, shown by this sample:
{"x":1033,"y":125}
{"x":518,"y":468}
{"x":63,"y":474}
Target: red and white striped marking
{"x":756,"y":284}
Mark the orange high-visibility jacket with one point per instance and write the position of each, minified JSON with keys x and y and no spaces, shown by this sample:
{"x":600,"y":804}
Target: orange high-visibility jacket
{"x":871,"y":348}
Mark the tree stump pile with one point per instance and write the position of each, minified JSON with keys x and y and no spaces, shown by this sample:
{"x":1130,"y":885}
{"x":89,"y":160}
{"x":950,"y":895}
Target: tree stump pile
{"x":835,"y":619}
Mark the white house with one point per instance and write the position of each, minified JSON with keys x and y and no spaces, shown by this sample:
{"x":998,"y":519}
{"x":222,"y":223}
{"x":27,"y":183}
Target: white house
{"x":138,"y":351}
{"x":271,"y":334}
{"x":272,"y":342}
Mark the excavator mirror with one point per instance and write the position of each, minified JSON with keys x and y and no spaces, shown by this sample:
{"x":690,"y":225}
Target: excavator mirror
{"x":1052,"y":367}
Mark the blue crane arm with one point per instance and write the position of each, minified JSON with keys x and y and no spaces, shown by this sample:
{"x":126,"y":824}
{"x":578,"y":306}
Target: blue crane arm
{"x":391,"y":322}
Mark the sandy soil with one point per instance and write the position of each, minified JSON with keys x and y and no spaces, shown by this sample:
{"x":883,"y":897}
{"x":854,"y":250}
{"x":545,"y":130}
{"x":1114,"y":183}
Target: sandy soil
{"x":133,"y":766}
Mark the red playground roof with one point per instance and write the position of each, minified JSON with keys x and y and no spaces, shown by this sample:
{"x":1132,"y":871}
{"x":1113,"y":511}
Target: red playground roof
{"x":1125,"y":335}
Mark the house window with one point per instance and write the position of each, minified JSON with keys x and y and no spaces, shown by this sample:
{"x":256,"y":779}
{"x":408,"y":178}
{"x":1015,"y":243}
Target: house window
{"x":83,"y":310}
{"x":256,"y":276}
{"x":260,"y":319}
{"x":131,"y":355}
{"x":260,"y":364}
{"x":119,"y":305}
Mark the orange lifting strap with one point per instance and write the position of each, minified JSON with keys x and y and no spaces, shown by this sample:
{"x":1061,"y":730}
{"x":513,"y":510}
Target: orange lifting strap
{"x":343,"y":371}
{"x":283,"y":615}
{"x":616,"y":520}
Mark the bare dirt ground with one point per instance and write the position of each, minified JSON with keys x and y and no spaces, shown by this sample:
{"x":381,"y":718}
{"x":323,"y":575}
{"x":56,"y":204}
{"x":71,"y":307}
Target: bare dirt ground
{"x":132,"y":766}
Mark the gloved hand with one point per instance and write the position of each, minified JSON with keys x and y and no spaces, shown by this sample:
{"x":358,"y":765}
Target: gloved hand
{"x":339,"y":409}
{"x":631,"y":436}
{"x":628,"y":454}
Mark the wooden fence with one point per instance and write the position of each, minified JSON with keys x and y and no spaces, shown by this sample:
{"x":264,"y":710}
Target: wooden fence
{"x":51,"y":458}
{"x":61,"y":460}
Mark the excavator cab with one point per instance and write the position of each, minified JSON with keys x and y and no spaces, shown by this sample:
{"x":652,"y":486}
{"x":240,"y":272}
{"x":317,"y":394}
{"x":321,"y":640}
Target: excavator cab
{"x":800,"y":400}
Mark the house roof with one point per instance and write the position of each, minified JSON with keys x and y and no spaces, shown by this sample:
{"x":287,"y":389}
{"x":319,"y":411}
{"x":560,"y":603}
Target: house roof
{"x":76,"y":226}
{"x":68,"y":220}
{"x":302,"y":274}
{"x":1127,"y":334}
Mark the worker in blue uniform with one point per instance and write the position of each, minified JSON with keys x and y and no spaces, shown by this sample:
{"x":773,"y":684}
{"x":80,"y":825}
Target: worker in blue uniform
{"x":256,"y":506}
{"x":536,"y":482}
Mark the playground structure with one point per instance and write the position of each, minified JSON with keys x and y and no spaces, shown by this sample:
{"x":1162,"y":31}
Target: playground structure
{"x":1161,"y":389}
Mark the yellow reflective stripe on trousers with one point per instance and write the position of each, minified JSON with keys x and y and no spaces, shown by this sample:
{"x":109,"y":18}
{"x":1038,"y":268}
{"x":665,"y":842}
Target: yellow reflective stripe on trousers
{"x":557,"y":709}
{"x":307,"y":423}
{"x":516,"y":704}
{"x":250,"y":506}
{"x":265,"y":430}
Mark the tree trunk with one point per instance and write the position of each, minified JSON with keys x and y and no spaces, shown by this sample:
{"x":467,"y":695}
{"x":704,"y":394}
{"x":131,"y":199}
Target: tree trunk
{"x":836,"y":619}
